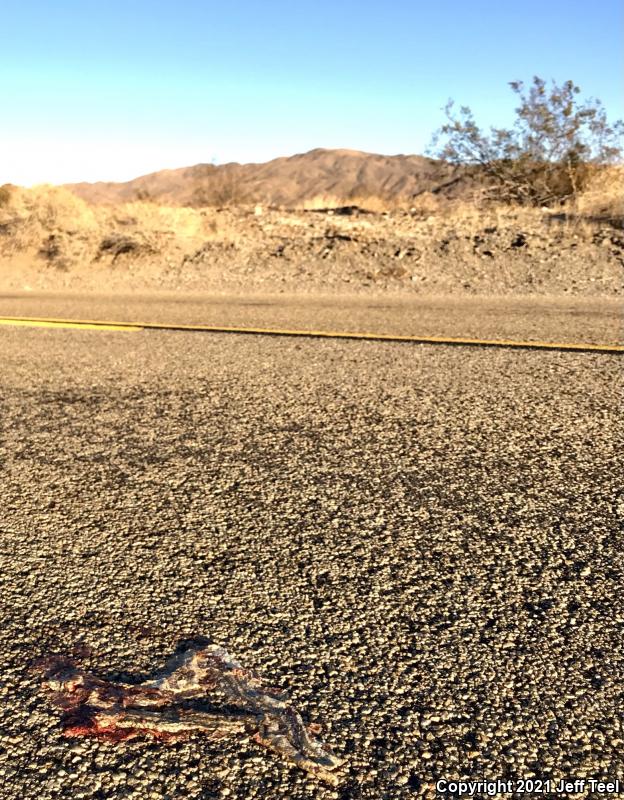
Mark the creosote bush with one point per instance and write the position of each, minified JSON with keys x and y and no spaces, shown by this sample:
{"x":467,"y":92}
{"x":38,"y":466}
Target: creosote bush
{"x":554,"y":150}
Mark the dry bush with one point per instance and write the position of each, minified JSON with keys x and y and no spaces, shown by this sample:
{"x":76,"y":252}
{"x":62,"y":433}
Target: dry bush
{"x":53,"y":224}
{"x":50,"y":222}
{"x":551,"y":153}
{"x":222,"y":189}
{"x":156,"y":219}
{"x":603,"y":199}
{"x":51,"y":207}
{"x":6,"y":192}
{"x":143,"y":228}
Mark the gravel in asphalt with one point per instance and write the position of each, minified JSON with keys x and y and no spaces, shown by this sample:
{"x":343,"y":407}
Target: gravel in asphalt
{"x":423,"y":545}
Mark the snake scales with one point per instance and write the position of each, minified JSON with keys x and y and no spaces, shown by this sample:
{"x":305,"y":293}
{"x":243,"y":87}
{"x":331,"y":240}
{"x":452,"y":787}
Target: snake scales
{"x":162,"y":707}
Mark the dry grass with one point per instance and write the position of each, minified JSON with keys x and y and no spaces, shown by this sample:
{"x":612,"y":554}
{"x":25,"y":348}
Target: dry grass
{"x":47,"y":208}
{"x":603,"y":200}
{"x":51,"y":224}
{"x":601,"y":203}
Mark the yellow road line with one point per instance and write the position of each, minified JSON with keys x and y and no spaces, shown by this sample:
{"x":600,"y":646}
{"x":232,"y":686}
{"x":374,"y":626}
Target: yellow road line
{"x":387,"y":337}
{"x":55,"y":323}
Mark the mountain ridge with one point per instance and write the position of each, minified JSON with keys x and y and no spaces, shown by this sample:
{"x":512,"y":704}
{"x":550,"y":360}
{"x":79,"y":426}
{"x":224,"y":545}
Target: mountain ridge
{"x":294,"y":180}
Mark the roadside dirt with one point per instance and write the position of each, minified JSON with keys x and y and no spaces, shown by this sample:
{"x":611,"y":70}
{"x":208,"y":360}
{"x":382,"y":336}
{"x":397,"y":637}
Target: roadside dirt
{"x":59,"y":242}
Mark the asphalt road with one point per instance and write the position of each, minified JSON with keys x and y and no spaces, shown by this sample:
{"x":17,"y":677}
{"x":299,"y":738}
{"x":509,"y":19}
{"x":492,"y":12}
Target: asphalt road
{"x":422,"y":544}
{"x":561,"y":319}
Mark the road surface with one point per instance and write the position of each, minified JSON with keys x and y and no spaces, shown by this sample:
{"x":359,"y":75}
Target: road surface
{"x":422,"y":544}
{"x":565,"y":319}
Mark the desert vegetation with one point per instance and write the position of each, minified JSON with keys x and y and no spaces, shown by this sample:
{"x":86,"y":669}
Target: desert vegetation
{"x":224,"y":188}
{"x":50,"y":238}
{"x":561,"y":153}
{"x":556,"y":148}
{"x":535,"y":208}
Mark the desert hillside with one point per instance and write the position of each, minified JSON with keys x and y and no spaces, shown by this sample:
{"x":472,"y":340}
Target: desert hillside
{"x":52,"y":239}
{"x":317,"y":177}
{"x":331,"y":219}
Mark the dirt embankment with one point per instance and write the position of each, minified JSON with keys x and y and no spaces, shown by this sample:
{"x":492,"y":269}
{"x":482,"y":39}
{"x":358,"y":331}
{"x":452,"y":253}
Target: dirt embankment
{"x":51,"y":239}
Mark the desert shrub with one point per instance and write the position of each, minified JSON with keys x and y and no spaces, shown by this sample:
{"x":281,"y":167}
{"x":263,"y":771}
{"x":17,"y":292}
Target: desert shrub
{"x":553,"y":151}
{"x":118,"y":244}
{"x":222,"y":188}
{"x":144,"y":196}
{"x":6,"y":192}
{"x":603,"y":198}
{"x":50,"y":247}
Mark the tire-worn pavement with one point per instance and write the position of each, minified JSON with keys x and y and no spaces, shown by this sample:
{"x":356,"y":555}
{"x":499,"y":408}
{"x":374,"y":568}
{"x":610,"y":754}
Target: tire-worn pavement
{"x":422,"y":544}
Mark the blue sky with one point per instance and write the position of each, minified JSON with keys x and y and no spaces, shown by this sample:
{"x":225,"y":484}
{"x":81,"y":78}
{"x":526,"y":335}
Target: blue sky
{"x":111,"y":90}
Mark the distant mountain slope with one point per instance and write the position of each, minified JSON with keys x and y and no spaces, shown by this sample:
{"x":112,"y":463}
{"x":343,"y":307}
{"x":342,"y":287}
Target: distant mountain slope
{"x":292,"y":181}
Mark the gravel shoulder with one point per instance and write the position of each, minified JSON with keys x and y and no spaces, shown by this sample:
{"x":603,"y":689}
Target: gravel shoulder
{"x":422,"y":544}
